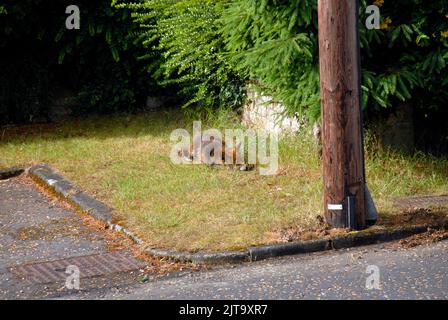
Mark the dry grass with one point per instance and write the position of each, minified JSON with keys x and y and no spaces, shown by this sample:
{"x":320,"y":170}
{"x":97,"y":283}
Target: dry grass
{"x":124,"y":161}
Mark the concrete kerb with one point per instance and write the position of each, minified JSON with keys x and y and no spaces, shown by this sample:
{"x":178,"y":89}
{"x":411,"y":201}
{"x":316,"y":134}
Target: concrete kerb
{"x":45,"y":175}
{"x":10,"y":173}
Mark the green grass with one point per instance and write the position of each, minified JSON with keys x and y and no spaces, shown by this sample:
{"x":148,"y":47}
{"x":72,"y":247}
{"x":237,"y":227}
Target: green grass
{"x":124,"y":161}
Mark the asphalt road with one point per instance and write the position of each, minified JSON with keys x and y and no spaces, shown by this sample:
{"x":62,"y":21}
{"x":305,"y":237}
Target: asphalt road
{"x":417,"y":273}
{"x":35,"y":230}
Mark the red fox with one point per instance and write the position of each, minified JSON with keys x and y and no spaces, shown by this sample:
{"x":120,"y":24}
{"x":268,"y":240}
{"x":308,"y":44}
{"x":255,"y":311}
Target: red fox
{"x":208,"y":148}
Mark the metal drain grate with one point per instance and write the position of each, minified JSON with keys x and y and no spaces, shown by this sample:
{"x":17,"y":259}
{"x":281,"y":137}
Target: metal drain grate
{"x":89,"y":266}
{"x":421,"y":202}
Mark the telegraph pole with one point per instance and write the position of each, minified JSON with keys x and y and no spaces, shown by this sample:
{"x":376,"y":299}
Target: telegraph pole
{"x":342,"y":139}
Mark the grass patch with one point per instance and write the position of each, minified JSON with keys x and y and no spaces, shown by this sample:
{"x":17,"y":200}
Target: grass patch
{"x":124,"y":161}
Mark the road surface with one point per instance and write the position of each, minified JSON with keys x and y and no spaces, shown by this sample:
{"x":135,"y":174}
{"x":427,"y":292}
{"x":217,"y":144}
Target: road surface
{"x":35,"y":230}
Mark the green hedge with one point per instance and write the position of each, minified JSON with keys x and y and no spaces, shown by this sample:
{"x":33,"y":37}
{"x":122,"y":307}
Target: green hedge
{"x":211,"y":49}
{"x":275,"y":42}
{"x":186,"y":37}
{"x":211,"y":46}
{"x":41,"y":58}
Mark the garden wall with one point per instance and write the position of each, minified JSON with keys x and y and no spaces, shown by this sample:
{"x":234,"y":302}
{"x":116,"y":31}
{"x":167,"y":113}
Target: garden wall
{"x":261,"y":112}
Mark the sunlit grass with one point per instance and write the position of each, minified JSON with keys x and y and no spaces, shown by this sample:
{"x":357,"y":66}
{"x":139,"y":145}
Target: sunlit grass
{"x":124,"y":161}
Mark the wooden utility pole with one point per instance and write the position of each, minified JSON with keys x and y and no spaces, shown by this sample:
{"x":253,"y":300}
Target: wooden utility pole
{"x":342,"y":142}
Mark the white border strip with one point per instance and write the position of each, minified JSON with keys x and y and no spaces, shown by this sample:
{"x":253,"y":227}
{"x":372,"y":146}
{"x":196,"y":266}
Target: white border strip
{"x":335,"y":207}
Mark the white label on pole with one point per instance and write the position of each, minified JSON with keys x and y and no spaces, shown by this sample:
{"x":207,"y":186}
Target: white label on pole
{"x":52,"y":182}
{"x":337,"y":207}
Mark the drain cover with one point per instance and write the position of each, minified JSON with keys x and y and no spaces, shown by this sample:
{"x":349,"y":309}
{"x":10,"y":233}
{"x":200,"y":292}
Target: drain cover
{"x":421,"y":202}
{"x":89,"y":266}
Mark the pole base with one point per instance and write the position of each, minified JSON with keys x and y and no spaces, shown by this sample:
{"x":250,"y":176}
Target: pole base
{"x":371,"y":211}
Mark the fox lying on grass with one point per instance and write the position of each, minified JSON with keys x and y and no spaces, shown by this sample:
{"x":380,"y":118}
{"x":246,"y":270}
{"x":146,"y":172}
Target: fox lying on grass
{"x":214,"y":152}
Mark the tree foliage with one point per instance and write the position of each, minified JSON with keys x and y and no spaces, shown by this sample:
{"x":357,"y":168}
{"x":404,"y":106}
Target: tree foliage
{"x":40,"y":58}
{"x":406,"y":59}
{"x":186,"y":36}
{"x":213,"y":45}
{"x":212,"y":49}
{"x":275,"y":42}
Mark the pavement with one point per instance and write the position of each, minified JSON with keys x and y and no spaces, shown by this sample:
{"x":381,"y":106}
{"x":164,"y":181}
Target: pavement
{"x":40,"y":238}
{"x":37,"y":235}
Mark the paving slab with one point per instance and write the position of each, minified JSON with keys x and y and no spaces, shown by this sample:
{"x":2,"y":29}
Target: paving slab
{"x":421,"y":202}
{"x":40,"y":238}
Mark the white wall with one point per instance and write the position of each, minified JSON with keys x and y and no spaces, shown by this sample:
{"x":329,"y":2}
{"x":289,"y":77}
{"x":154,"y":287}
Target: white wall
{"x":262,"y":113}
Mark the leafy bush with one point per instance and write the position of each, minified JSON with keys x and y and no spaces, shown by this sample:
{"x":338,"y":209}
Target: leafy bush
{"x":186,"y":35}
{"x":40,"y":58}
{"x":211,"y":47}
{"x":103,"y":58}
{"x":275,"y":42}
{"x":406,"y":59}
